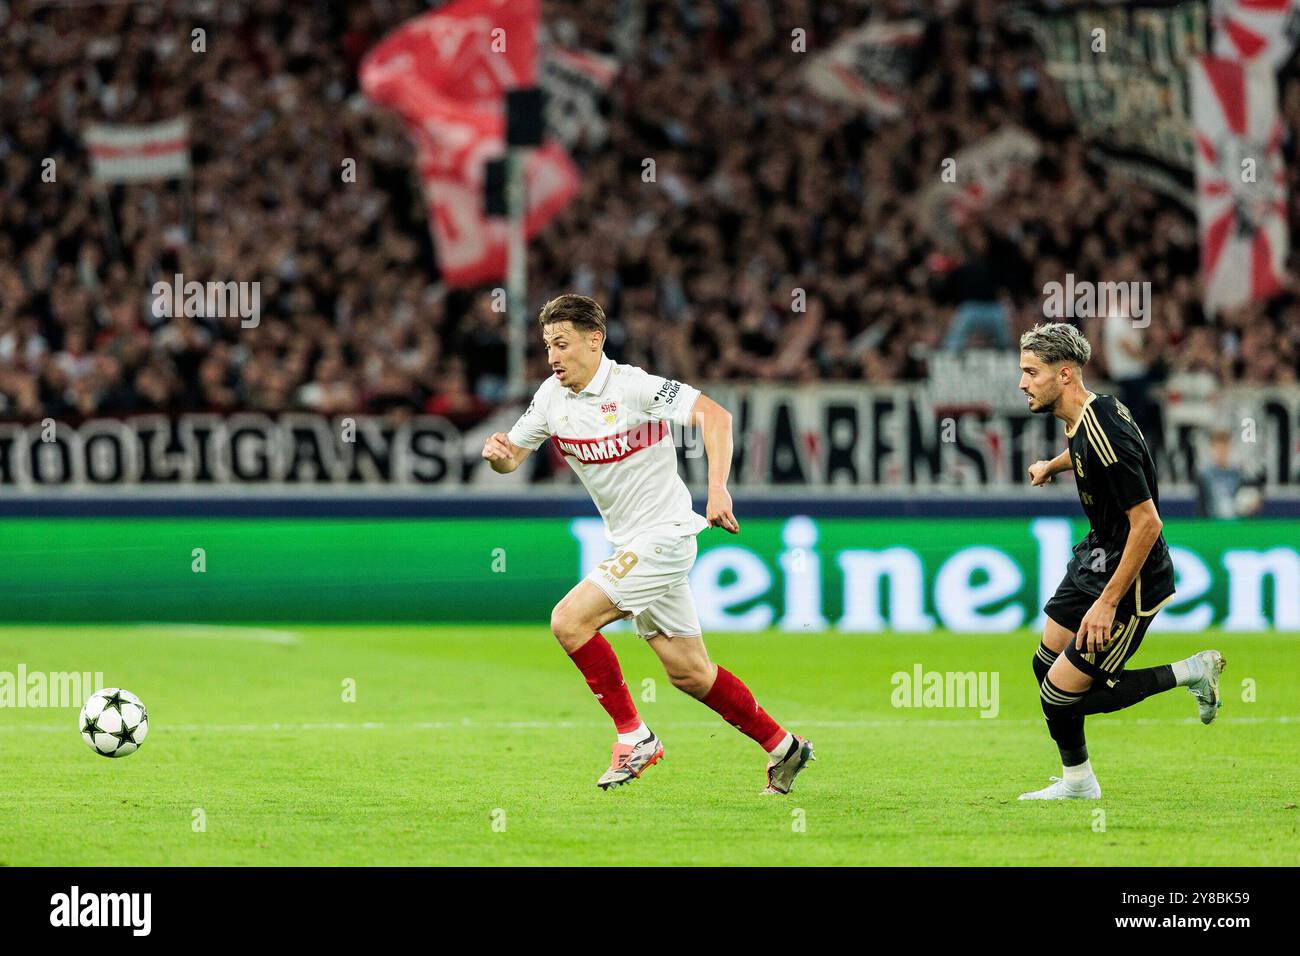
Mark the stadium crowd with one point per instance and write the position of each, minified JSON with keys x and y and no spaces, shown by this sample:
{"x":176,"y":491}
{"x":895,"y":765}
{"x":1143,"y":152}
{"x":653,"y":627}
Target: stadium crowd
{"x":762,"y":188}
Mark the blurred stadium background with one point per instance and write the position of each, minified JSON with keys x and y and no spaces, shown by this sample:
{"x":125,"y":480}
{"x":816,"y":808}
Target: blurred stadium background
{"x":261,"y":506}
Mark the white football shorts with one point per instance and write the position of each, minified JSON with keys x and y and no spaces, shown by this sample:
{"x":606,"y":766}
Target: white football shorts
{"x":649,"y":579}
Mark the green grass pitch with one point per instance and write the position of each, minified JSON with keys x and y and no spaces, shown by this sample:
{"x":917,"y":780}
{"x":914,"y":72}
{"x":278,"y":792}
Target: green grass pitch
{"x":481,"y":745}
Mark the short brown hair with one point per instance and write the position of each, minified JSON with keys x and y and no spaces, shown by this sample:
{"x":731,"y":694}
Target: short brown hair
{"x":582,"y":311}
{"x":1055,"y":342}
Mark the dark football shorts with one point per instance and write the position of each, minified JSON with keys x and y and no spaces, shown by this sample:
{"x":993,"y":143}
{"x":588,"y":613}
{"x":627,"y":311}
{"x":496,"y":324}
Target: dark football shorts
{"x":1067,"y":608}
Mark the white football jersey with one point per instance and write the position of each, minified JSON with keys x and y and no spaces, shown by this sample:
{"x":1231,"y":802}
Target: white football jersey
{"x":615,"y":435}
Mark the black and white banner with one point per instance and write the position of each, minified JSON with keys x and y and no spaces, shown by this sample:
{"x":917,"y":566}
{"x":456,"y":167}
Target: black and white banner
{"x":836,"y":436}
{"x":1123,"y":68}
{"x":908,"y":437}
{"x":244,"y":449}
{"x":576,"y":84}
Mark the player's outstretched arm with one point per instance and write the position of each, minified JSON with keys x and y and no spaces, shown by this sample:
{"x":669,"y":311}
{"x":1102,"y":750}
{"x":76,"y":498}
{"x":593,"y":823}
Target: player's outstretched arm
{"x":715,"y":424}
{"x":502,"y":454}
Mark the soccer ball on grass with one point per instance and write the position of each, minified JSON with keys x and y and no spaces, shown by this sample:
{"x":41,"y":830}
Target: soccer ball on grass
{"x":114,"y":722}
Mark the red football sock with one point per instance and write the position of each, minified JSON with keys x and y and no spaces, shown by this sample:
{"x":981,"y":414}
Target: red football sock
{"x":599,"y":664}
{"x":731,"y":698}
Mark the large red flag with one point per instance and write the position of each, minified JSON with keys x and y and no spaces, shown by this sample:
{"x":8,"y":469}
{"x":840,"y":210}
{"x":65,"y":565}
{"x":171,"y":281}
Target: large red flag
{"x":446,"y":74}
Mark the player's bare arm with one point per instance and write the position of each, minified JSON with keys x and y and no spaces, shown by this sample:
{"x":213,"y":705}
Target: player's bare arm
{"x":1144,"y":529}
{"x":714,"y":422}
{"x":503,"y":455}
{"x":1042,"y":472}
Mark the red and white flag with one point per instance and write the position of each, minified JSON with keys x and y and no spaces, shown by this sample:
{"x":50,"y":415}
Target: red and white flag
{"x":869,"y":67}
{"x":446,"y":73}
{"x":980,"y":174}
{"x":1262,"y":31}
{"x":125,"y":154}
{"x":1240,"y":181}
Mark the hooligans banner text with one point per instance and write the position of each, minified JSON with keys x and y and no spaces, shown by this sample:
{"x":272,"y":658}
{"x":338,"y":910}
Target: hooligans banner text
{"x":835,"y":436}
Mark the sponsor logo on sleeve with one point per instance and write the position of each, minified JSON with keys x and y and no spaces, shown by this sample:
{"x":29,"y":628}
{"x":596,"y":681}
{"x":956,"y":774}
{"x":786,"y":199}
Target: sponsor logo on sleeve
{"x":667,"y":393}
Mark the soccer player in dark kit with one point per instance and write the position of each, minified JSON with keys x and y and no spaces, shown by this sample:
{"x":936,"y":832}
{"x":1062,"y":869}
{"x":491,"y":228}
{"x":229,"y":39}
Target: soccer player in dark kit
{"x":1120,"y":574}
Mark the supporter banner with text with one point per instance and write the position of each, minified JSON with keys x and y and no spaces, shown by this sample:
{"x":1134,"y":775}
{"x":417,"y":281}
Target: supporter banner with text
{"x":836,"y":436}
{"x":1122,"y":67}
{"x":798,"y":574}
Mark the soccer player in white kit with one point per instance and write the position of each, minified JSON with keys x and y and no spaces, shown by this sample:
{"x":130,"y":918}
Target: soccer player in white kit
{"x":611,"y":421}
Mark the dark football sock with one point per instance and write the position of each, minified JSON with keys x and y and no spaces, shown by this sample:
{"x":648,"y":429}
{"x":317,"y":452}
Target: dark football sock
{"x":1043,"y":658}
{"x":1131,"y":687}
{"x":1064,"y":723}
{"x":1068,"y":734}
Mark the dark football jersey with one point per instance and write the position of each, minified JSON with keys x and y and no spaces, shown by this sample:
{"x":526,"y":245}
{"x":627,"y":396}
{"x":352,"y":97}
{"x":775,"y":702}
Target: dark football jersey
{"x":1114,"y":470}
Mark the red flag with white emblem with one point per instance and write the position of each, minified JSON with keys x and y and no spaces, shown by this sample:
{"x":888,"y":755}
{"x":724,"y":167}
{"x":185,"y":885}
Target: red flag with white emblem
{"x":1240,"y":181}
{"x":446,"y":73}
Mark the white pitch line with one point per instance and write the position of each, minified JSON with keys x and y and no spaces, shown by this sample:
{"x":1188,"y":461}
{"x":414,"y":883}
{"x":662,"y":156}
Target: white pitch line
{"x":220,"y":632}
{"x":965,"y":723}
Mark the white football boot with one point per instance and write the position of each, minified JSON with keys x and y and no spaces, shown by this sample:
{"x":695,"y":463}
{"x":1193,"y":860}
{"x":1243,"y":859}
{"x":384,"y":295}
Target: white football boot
{"x":629,"y":761}
{"x":1088,"y":789}
{"x":1204,"y":686}
{"x":781,"y":773}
